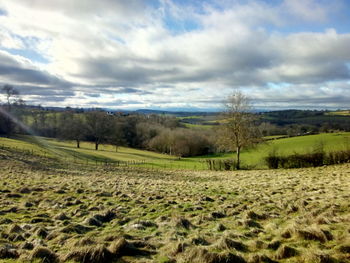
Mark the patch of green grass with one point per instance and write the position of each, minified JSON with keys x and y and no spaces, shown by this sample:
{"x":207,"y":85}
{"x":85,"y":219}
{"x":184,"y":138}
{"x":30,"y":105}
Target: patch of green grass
{"x":339,"y":113}
{"x":199,"y":126}
{"x":253,"y":158}
{"x":273,"y":137}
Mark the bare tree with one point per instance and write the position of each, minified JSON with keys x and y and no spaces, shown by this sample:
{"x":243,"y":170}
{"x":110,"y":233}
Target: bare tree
{"x":117,"y":136}
{"x":10,"y":92}
{"x":99,"y":126}
{"x":239,"y":130}
{"x":72,"y":127}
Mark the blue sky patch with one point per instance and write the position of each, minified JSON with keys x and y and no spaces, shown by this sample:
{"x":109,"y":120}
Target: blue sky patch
{"x":27,"y":53}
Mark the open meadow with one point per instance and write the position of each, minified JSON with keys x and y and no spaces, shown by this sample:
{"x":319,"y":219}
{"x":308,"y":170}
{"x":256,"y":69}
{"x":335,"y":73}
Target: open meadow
{"x":253,"y":158}
{"x":52,"y":211}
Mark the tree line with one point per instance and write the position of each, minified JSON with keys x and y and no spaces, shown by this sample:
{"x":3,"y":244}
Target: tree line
{"x":241,"y":128}
{"x":164,"y":134}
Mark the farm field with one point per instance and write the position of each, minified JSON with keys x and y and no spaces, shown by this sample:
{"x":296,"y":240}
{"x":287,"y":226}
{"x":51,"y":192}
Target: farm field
{"x":54,"y":212}
{"x":252,"y":158}
{"x":340,"y":113}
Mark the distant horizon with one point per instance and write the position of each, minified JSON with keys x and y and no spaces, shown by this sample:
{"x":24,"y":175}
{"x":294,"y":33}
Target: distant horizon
{"x":202,"y":110}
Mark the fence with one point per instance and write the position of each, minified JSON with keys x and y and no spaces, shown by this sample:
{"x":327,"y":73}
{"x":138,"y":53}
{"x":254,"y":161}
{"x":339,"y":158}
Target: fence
{"x":108,"y":163}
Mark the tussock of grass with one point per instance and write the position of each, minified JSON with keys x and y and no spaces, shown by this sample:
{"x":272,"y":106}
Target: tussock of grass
{"x":317,"y":256}
{"x":98,"y":254}
{"x":314,"y":233}
{"x":200,"y":255}
{"x":345,"y":248}
{"x":260,"y":258}
{"x":119,"y":247}
{"x":44,"y":254}
{"x":182,"y":223}
{"x":85,"y":241}
{"x":8,"y":252}
{"x":177,"y":213}
{"x":228,"y":244}
{"x":286,"y":252}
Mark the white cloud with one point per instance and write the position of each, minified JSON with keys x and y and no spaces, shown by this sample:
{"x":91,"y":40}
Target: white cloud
{"x":117,"y":47}
{"x":308,"y":10}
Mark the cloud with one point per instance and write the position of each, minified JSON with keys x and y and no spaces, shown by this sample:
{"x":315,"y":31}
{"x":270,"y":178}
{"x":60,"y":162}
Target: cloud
{"x":308,"y":10}
{"x":9,"y":41}
{"x":110,"y":51}
{"x":14,"y":69}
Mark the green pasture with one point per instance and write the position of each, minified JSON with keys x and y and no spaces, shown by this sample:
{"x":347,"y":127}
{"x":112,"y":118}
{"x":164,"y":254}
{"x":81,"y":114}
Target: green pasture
{"x":198,"y":126}
{"x":300,"y":144}
{"x":339,"y":113}
{"x":252,"y":158}
{"x":66,"y":150}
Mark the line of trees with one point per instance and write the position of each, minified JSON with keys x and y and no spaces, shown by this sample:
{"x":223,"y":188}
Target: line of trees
{"x":241,"y":129}
{"x":154,"y":132}
{"x":159,"y":133}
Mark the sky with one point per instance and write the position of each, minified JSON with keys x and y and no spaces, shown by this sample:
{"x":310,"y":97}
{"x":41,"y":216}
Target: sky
{"x":177,"y":54}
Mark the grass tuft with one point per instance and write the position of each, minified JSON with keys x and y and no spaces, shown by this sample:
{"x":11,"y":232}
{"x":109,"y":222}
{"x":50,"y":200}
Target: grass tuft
{"x":44,"y":254}
{"x":200,"y":255}
{"x":98,"y":254}
{"x":286,"y":252}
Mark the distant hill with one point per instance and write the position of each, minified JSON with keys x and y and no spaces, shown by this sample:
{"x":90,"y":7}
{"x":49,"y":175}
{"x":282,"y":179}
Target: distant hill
{"x":176,"y":113}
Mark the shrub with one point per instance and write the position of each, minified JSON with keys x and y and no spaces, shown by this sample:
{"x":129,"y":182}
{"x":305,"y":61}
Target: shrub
{"x":221,"y":165}
{"x":313,"y":159}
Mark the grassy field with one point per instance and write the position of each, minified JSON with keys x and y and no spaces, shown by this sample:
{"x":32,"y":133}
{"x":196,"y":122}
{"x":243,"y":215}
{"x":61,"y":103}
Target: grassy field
{"x":252,"y":158}
{"x":339,"y":113}
{"x":198,"y":126}
{"x":51,"y":212}
{"x":67,"y":151}
{"x":300,"y":144}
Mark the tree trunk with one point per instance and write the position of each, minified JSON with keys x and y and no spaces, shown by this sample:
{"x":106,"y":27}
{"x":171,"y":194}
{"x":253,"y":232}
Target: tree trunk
{"x":238,"y":152}
{"x":116,"y":148}
{"x":96,"y":146}
{"x":78,"y":143}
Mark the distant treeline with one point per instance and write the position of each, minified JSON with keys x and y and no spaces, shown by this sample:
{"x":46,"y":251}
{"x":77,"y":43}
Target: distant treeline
{"x":312,"y":159}
{"x":294,"y":122}
{"x":157,"y":132}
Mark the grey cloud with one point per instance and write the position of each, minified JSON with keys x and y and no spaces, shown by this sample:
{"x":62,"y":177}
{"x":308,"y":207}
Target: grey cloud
{"x":120,"y":72}
{"x":44,"y":99}
{"x":3,"y":12}
{"x":116,"y":103}
{"x":311,"y":95}
{"x":15,"y":72}
{"x":34,"y":85}
{"x":46,"y":92}
{"x":88,"y":7}
{"x":92,"y":95}
{"x":237,"y":64}
{"x":110,"y":89}
{"x":218,"y":54}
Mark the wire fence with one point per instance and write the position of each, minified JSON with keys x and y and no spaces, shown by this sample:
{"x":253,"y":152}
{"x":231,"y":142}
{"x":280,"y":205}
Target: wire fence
{"x":75,"y":159}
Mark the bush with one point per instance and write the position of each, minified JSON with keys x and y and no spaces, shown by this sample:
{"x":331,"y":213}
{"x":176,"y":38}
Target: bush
{"x":338,"y":157}
{"x":182,"y":142}
{"x":272,"y":160}
{"x":313,"y":159}
{"x":221,"y":165}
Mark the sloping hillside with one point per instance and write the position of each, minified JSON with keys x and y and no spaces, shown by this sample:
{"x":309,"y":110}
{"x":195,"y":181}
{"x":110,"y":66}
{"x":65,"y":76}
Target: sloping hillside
{"x":97,"y":214}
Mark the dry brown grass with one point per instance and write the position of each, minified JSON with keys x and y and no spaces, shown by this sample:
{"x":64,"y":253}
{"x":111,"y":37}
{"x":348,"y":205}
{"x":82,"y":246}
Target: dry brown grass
{"x":57,"y":213}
